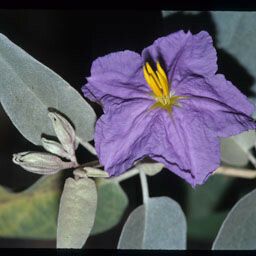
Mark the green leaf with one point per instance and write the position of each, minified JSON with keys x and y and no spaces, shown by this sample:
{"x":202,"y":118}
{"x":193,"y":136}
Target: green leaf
{"x":112,"y":202}
{"x":33,"y":213}
{"x":77,"y":211}
{"x":238,"y":231}
{"x":203,"y":199}
{"x":201,"y":207}
{"x":22,"y":215}
{"x":205,"y":227}
{"x":28,"y":89}
{"x":160,"y":224}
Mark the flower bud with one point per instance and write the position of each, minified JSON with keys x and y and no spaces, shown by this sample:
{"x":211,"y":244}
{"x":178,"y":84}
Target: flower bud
{"x":40,"y":163}
{"x":54,"y":148}
{"x":64,"y":131}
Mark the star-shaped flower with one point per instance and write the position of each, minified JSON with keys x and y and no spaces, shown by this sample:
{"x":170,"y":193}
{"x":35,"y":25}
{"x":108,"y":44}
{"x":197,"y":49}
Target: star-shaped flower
{"x":167,"y":104}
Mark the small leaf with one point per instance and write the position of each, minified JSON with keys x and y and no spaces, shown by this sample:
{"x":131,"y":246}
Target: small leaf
{"x":112,"y":202}
{"x":28,"y":89}
{"x":238,"y":231}
{"x":234,"y":149}
{"x":150,"y":169}
{"x":76,"y":213}
{"x":32,"y":213}
{"x":160,"y":224}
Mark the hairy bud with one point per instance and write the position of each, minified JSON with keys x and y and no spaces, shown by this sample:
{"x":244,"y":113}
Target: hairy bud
{"x":40,"y":163}
{"x":64,"y":131}
{"x":54,"y":148}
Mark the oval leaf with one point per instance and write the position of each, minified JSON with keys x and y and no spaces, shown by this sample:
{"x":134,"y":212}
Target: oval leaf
{"x":28,"y":89}
{"x":234,"y":149}
{"x":160,"y":224}
{"x":238,"y":231}
{"x":76,"y":213}
{"x":112,"y":202}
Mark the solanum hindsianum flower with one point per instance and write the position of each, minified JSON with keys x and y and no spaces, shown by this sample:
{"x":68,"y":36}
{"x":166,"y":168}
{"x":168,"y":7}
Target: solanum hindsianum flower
{"x":167,"y":104}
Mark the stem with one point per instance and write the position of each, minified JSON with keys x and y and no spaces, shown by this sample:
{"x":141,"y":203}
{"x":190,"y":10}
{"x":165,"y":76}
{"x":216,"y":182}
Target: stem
{"x":87,"y":145}
{"x":234,"y":172}
{"x":126,"y":175}
{"x":144,"y":186}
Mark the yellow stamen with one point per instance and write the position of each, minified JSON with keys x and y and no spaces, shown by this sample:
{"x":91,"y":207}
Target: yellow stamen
{"x":164,"y":83}
{"x":158,"y":82}
{"x":152,"y":83}
{"x":153,"y":74}
{"x":161,"y":71}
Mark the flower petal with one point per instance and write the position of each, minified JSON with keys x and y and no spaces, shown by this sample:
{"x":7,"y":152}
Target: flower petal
{"x":117,"y":75}
{"x":188,"y":147}
{"x":184,"y":54}
{"x":121,"y":135}
{"x":222,"y":107}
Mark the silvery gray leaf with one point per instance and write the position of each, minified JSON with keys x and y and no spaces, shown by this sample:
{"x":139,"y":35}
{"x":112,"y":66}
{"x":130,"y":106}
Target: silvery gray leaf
{"x":76,"y":213}
{"x":234,"y":149}
{"x":28,"y":89}
{"x":160,"y":224}
{"x":238,"y":231}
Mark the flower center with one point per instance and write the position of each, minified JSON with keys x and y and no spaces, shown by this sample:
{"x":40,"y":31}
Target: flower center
{"x":158,"y":82}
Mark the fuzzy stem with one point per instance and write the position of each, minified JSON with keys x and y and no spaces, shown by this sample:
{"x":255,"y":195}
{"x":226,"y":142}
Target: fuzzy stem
{"x":132,"y":172}
{"x":144,"y":187}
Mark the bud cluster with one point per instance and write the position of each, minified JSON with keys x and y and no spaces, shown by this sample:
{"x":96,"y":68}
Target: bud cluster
{"x":50,"y":163}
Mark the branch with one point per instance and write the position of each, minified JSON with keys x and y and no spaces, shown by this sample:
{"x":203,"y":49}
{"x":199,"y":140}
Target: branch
{"x":235,"y":172}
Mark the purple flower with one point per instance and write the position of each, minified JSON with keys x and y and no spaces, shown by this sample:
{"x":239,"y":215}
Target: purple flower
{"x":167,"y":104}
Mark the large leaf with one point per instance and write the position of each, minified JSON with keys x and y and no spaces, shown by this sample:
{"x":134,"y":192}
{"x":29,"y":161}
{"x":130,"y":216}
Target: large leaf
{"x":32,"y":213}
{"x":76,"y":213}
{"x":23,"y":215}
{"x":238,"y":231}
{"x":28,"y":89}
{"x":112,"y":202}
{"x":160,"y":224}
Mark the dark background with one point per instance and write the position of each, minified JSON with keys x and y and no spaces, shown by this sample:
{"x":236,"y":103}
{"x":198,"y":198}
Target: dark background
{"x":67,"y":41}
